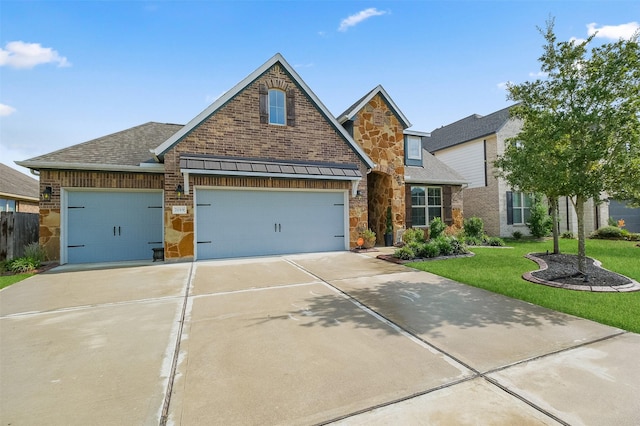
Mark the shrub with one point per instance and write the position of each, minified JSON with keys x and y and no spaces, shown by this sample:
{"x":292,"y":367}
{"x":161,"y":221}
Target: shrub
{"x":474,"y":227}
{"x":369,"y":238}
{"x":444,"y":245}
{"x":429,"y":250}
{"x":5,"y":266}
{"x":633,"y":237}
{"x":567,"y":234}
{"x":413,"y":234}
{"x":472,"y":241}
{"x":539,"y":223}
{"x":517,"y":235}
{"x":457,"y":246}
{"x":23,"y":264}
{"x":36,"y":252}
{"x":436,"y":228}
{"x":496,"y":242}
{"x":404,"y":253}
{"x":414,"y":246}
{"x":612,"y":232}
{"x":612,"y":222}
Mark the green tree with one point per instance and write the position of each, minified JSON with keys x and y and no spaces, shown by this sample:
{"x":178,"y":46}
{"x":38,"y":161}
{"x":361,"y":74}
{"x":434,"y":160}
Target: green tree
{"x":580,"y":133}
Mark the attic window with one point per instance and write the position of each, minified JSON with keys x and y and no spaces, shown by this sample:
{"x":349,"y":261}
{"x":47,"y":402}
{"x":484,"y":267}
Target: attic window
{"x":414,"y":148}
{"x":277,"y":107}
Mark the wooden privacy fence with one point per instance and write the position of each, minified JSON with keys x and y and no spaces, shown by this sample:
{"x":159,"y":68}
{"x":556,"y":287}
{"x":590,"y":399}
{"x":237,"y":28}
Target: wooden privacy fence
{"x":17,"y":230}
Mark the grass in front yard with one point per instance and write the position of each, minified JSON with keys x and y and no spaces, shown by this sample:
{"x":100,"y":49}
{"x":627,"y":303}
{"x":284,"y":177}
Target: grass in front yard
{"x":500,"y":270}
{"x":7,"y":280}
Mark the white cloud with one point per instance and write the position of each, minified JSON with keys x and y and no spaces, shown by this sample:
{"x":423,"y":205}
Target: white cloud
{"x":355,"y":19}
{"x":18,"y":54}
{"x":613,"y":32}
{"x":576,"y":40}
{"x":6,"y":110}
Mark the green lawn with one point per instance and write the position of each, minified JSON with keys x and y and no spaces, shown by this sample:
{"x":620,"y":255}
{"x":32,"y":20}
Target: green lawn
{"x":500,"y":270}
{"x":7,"y":280}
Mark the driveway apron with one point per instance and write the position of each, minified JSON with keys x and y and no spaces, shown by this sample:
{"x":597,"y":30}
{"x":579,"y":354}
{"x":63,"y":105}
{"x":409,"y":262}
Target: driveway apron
{"x":318,"y":338}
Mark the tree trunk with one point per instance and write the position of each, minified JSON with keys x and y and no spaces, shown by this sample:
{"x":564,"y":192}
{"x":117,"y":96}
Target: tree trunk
{"x":553,"y":203}
{"x":579,"y":206}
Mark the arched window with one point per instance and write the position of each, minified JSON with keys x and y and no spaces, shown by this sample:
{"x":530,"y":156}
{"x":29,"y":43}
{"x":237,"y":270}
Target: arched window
{"x":277,"y":109}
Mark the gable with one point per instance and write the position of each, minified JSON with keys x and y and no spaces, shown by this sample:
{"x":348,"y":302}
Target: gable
{"x":233,"y":126}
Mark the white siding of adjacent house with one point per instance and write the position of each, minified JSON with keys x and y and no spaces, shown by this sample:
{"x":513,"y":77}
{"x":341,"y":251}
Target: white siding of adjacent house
{"x":468,"y":160}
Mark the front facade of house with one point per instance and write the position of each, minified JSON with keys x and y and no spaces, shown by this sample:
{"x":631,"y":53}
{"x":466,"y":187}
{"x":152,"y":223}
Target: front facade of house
{"x":471,"y":146}
{"x":416,"y":186}
{"x":264,"y":170}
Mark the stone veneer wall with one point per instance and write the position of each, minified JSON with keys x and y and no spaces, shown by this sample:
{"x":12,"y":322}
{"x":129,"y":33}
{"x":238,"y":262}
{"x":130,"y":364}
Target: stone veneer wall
{"x":57,"y":179}
{"x":380,"y":134}
{"x":234,"y":130}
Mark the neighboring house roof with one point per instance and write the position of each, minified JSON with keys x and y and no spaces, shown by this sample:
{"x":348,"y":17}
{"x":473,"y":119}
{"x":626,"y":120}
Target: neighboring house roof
{"x":162,"y":148}
{"x":433,"y":171}
{"x":15,"y":184}
{"x":472,"y":127}
{"x":351,"y":112}
{"x":126,"y":150}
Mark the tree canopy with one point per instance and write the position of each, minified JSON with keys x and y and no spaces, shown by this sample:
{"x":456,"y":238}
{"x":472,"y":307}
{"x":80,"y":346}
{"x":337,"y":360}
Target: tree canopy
{"x":580,"y":134}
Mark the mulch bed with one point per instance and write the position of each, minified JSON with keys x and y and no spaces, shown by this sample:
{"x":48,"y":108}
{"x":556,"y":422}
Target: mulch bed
{"x":563,"y":268}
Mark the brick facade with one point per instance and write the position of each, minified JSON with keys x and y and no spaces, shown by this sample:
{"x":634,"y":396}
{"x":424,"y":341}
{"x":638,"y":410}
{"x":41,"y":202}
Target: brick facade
{"x":50,"y":225}
{"x":235,"y":130}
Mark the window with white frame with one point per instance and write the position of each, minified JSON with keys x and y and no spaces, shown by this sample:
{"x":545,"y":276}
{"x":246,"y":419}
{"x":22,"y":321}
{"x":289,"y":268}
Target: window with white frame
{"x":518,"y":208}
{"x":426,"y":204}
{"x":414,"y":148}
{"x":277,"y":112}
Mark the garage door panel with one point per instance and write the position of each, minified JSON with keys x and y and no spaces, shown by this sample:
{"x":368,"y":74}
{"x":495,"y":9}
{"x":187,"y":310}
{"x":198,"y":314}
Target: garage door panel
{"x":247,"y":223}
{"x":113,"y":226}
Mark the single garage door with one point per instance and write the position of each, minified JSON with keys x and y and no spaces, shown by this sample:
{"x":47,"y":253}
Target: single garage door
{"x":113,"y":226}
{"x":235,"y":223}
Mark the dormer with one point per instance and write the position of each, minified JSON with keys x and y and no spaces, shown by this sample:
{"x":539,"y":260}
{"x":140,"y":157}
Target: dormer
{"x":413,"y":141}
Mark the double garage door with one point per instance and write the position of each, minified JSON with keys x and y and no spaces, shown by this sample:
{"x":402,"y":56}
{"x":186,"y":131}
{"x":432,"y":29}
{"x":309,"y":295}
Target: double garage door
{"x":235,"y":223}
{"x":112,"y":226}
{"x":118,"y":226}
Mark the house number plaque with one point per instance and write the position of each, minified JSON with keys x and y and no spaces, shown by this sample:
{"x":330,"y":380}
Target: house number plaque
{"x":179,"y":210}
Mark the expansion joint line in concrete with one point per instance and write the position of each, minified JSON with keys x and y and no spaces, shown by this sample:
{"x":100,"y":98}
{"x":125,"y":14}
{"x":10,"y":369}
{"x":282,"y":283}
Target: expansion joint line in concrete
{"x":477,"y":373}
{"x":164,"y":416}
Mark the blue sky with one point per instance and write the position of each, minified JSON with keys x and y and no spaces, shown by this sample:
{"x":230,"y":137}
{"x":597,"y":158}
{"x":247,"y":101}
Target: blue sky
{"x":71,"y":71}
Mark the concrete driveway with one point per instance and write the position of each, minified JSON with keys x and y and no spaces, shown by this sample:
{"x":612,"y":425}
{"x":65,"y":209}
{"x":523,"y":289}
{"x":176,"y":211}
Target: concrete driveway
{"x":302,"y":339}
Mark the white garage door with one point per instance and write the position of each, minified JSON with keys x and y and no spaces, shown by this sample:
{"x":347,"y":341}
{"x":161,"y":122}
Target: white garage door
{"x":235,"y":223}
{"x":112,"y":226}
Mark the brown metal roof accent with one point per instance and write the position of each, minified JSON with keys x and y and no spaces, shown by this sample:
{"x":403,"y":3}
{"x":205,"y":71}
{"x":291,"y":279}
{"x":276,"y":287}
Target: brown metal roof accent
{"x":194,"y":164}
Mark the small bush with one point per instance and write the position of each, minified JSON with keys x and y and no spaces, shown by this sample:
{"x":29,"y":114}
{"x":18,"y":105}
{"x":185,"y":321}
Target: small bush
{"x":413,"y":234}
{"x":23,"y":264}
{"x":517,"y":235}
{"x":458,"y":246}
{"x":539,"y":222}
{"x":404,"y":253}
{"x":612,"y":222}
{"x":496,"y":242}
{"x":612,"y":232}
{"x":429,"y":250}
{"x":369,"y":238}
{"x":472,"y":241}
{"x":633,"y":237}
{"x":5,"y":266}
{"x":474,"y":227}
{"x":568,"y":235}
{"x":36,"y":252}
{"x":436,"y":228}
{"x":414,"y":246}
{"x":444,"y":245}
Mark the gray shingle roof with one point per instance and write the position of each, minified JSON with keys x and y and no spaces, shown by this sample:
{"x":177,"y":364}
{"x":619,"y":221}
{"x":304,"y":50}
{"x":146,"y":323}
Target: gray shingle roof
{"x":472,"y":127}
{"x":224,"y":165}
{"x":433,"y":171}
{"x":128,"y":147}
{"x":17,"y":184}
